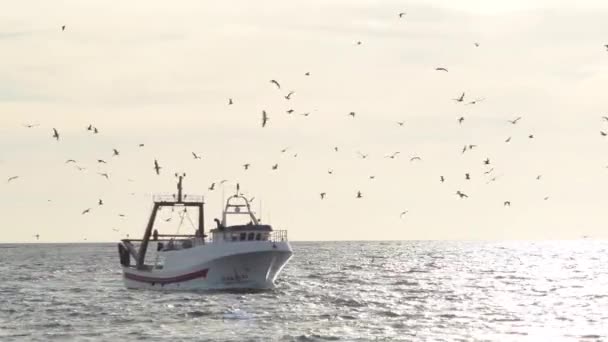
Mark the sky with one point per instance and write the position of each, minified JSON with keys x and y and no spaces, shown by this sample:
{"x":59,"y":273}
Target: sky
{"x":153,"y":73}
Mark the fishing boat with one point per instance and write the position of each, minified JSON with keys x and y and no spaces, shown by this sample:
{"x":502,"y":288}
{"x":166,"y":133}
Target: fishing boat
{"x":247,"y":255}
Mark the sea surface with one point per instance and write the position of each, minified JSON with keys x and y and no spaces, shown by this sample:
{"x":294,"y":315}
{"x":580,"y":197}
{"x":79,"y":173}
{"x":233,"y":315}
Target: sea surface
{"x":330,"y":291}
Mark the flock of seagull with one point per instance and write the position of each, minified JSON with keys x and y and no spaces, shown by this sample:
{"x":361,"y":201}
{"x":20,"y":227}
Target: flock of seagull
{"x":462,"y":98}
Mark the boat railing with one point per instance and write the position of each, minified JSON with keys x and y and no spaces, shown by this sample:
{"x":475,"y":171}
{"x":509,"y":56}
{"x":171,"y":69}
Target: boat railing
{"x":278,"y":236}
{"x":186,"y":198}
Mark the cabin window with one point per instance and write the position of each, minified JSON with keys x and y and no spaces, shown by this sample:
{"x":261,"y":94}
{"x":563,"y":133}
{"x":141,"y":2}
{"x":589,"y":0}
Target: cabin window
{"x":251,"y":236}
{"x":258,"y":236}
{"x":235,"y":237}
{"x":243,"y":236}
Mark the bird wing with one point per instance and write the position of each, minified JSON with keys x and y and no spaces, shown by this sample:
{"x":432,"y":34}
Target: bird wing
{"x":276,"y":83}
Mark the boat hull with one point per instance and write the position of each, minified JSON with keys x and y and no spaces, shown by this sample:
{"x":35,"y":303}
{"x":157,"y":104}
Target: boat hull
{"x":247,"y":269}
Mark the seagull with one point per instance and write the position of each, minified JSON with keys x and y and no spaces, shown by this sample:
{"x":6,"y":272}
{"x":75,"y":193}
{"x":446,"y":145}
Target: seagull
{"x":538,"y":177}
{"x":322,"y":195}
{"x":372,"y":177}
{"x":441,"y":179}
{"x":467,"y":176}
{"x":101,"y":161}
{"x":63,"y":28}
{"x":115,"y":153}
{"x":460,"y":120}
{"x":402,"y":213}
{"x":264,"y":118}
{"x":121,"y":215}
{"x":12,"y":179}
{"x":89,"y":127}
{"x":230,"y":102}
{"x":489,"y":171}
{"x":80,"y":168}
{"x":212,"y":187}
{"x":141,"y":145}
{"x":400,"y":123}
{"x":461,"y":194}
{"x":603,"y":133}
{"x":290,"y":111}
{"x":515,"y":121}
{"x":30,"y":125}
{"x":363,"y":156}
{"x":288,"y":96}
{"x":472,"y":146}
{"x":275,"y":166}
{"x":546,"y":198}
{"x":507,"y":203}
{"x":441,"y":69}
{"x":70,"y":161}
{"x":305,"y":114}
{"x":196,"y":156}
{"x":95,"y":130}
{"x":487,"y":161}
{"x":359,"y":195}
{"x":37,"y":236}
{"x":276,"y":83}
{"x":223,"y":181}
{"x":168,"y":219}
{"x":100,"y":202}
{"x":359,"y":42}
{"x":605,"y":118}
{"x":460,"y":99}
{"x":307,"y":74}
{"x":86,"y":211}
{"x":336,"y":148}
{"x":401,"y":15}
{"x":464,"y":149}
{"x":156,"y":167}
{"x":476,"y":44}
{"x":352,"y":114}
{"x":392,"y":156}
{"x":55,"y":134}
{"x":103,"y":174}
{"x":415,"y":158}
{"x":531,"y":136}
{"x":474,"y":101}
{"x":284,"y":150}
{"x":330,"y":171}
{"x":508,"y":139}
{"x":246,"y":166}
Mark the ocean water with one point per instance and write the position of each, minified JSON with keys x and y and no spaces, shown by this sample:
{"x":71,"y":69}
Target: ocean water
{"x":330,"y":291}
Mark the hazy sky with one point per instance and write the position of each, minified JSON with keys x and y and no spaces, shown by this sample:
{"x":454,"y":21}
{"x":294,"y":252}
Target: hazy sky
{"x":156,"y":73}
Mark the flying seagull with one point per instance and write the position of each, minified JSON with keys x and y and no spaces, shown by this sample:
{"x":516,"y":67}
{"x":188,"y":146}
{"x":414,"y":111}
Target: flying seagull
{"x":487,"y":161}
{"x":461,"y":194}
{"x":70,"y":161}
{"x":264,"y":118}
{"x":392,"y":156}
{"x":63,"y":28}
{"x":322,"y":195}
{"x":515,"y":121}
{"x":100,"y":202}
{"x":104,"y":174}
{"x":441,"y":179}
{"x":196,"y":156}
{"x":475,"y":101}
{"x":441,"y":69}
{"x":30,"y":125}
{"x":352,"y":114}
{"x":460,"y":99}
{"x":115,"y":153}
{"x":55,"y":134}
{"x":275,"y":166}
{"x":605,"y":118}
{"x":230,"y":102}
{"x":508,"y":139}
{"x":603,"y":133}
{"x":288,"y":96}
{"x":460,"y":120}
{"x":12,"y":179}
{"x":307,"y":73}
{"x":359,"y":195}
{"x":402,"y":14}
{"x":400,"y":123}
{"x":290,"y":111}
{"x":507,"y":204}
{"x":246,"y":166}
{"x":476,"y":44}
{"x":467,"y":176}
{"x":415,"y":158}
{"x":101,"y":161}
{"x":363,"y":156}
{"x":276,"y":83}
{"x":86,"y":211}
{"x":212,"y":186}
{"x":156,"y":167}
